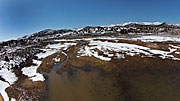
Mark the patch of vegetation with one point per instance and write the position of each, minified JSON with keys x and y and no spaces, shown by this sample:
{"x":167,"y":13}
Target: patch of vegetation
{"x":26,"y":89}
{"x":83,"y":60}
{"x":48,"y":62}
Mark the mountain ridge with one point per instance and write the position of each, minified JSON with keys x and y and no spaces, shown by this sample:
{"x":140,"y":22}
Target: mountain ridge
{"x":126,"y":24}
{"x":104,"y":29}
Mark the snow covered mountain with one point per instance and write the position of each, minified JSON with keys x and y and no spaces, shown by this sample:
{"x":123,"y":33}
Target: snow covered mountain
{"x":130,"y":27}
{"x":99,"y":39}
{"x":31,"y":44}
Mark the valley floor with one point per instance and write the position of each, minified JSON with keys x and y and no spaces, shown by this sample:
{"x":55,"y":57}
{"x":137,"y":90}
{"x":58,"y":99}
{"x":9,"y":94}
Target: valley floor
{"x":126,"y":68}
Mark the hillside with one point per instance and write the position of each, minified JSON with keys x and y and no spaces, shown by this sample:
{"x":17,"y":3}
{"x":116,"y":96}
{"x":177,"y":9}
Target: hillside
{"x":131,"y":61}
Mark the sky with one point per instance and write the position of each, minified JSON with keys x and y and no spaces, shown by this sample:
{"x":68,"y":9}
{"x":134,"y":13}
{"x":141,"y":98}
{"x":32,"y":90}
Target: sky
{"x":23,"y":17}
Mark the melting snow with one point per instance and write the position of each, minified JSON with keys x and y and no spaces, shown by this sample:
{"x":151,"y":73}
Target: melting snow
{"x":87,"y":52}
{"x":125,"y":48}
{"x":61,"y":46}
{"x":56,"y":59}
{"x":10,"y":78}
{"x":3,"y":86}
{"x":32,"y":71}
{"x":47,"y":53}
{"x":8,"y":75}
{"x":157,"y":38}
{"x":12,"y":99}
{"x":50,"y":49}
{"x":119,"y":56}
{"x":53,"y":48}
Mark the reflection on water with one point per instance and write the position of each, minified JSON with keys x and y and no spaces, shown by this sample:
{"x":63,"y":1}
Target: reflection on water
{"x":78,"y":85}
{"x":93,"y":85}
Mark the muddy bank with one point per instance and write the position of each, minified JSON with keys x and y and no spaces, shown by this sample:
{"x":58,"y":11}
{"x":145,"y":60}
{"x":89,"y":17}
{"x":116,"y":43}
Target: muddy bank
{"x":26,"y":90}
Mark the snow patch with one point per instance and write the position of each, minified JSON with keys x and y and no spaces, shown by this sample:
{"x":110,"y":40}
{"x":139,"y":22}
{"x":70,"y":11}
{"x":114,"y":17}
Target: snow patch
{"x":3,"y":86}
{"x":125,"y":48}
{"x":47,"y":53}
{"x":56,"y":59}
{"x":8,"y":75}
{"x":61,"y":46}
{"x":12,"y":99}
{"x":157,"y":39}
{"x":32,"y":71}
{"x":119,"y":56}
{"x":10,"y":79}
{"x":86,"y":51}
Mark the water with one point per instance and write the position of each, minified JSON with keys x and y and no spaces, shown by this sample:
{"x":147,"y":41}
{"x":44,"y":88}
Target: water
{"x":78,"y":84}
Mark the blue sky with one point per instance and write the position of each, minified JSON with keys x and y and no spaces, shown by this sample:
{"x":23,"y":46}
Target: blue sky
{"x":22,"y":17}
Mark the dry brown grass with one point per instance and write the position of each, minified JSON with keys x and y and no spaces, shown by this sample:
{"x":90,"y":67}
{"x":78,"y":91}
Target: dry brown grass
{"x":48,"y":62}
{"x":81,"y":61}
{"x":27,"y":86}
{"x":136,"y":61}
{"x":138,"y":78}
